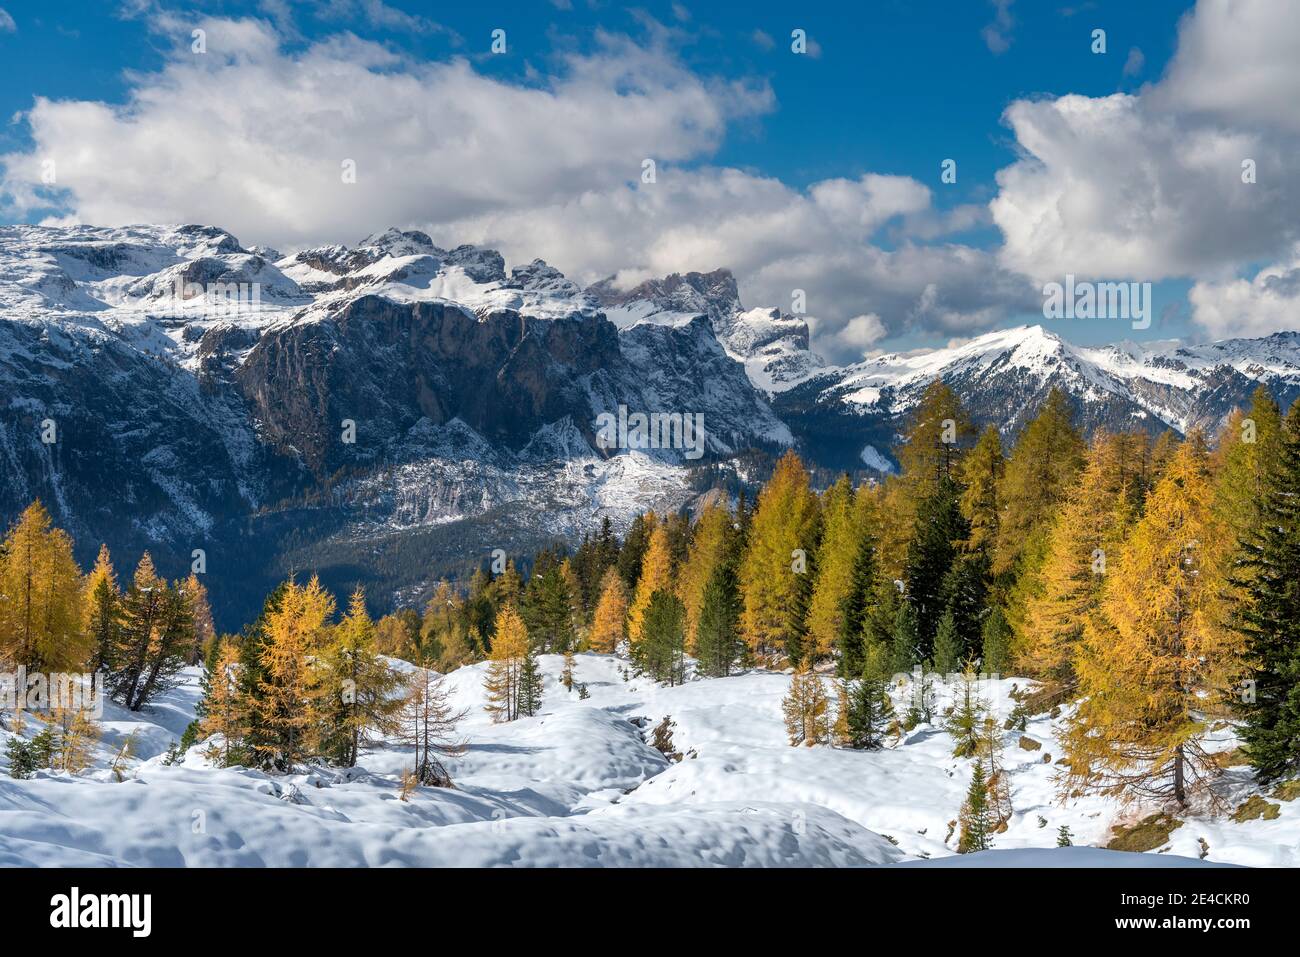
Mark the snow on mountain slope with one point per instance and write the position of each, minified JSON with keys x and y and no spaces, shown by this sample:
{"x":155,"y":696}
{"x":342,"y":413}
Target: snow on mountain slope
{"x":200,"y":390}
{"x":772,"y":346}
{"x":207,"y":382}
{"x":577,"y":785}
{"x":1166,"y":380}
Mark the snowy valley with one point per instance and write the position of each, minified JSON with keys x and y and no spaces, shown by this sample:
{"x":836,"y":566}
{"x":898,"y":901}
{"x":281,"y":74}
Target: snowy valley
{"x":579,"y":785}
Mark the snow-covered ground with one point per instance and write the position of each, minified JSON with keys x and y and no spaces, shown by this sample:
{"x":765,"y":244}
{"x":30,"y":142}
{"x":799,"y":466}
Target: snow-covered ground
{"x":578,"y":786}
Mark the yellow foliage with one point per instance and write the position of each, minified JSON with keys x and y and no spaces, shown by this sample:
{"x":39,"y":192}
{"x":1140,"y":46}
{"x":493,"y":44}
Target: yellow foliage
{"x":656,"y":574}
{"x":709,"y":548}
{"x":1157,"y":653}
{"x":509,"y":648}
{"x":608,"y":625}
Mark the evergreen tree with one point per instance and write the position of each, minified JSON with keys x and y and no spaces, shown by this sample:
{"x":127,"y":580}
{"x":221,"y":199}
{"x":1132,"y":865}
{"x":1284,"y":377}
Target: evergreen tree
{"x":975,"y":817}
{"x":548,"y":606}
{"x":947,"y":649}
{"x":965,"y":598}
{"x":904,"y":642}
{"x":981,"y":477}
{"x":359,"y":703}
{"x":930,"y":555}
{"x":871,"y":711}
{"x":101,"y":610}
{"x":22,"y":762}
{"x":577,"y":606}
{"x":937,"y":436}
{"x":995,"y":655}
{"x":530,"y":684}
{"x":859,"y":625}
{"x":661,"y":651}
{"x":966,"y":719}
{"x":1269,"y":619}
{"x":479,"y":614}
{"x":718,"y":643}
{"x":174,"y":646}
{"x":250,"y":674}
{"x":678,"y":529}
{"x":154,"y":641}
{"x":566,"y":676}
{"x":710,"y":546}
{"x":1064,"y":837}
{"x":632,"y":555}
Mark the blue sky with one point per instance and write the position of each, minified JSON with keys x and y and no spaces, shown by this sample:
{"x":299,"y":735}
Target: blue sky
{"x":889,"y":89}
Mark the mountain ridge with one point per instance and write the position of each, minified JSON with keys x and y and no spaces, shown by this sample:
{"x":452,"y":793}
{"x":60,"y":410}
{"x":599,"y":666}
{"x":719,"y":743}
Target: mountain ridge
{"x":201,"y":394}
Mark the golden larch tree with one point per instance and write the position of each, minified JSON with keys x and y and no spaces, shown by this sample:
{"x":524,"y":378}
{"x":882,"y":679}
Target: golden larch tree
{"x":845,"y":527}
{"x":780,"y":540}
{"x":292,"y":691}
{"x":1156,"y":654}
{"x":506,"y":664}
{"x":806,"y":709}
{"x":225,"y":712}
{"x":656,"y":574}
{"x":710,"y":546}
{"x":609,"y":624}
{"x":1085,"y":536}
{"x":41,"y":624}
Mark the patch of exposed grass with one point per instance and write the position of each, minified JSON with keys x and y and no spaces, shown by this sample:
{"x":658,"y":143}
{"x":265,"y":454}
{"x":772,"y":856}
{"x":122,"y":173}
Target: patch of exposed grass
{"x":1256,"y":808}
{"x":1287,"y":790}
{"x":1146,"y":835}
{"x":1235,"y":758}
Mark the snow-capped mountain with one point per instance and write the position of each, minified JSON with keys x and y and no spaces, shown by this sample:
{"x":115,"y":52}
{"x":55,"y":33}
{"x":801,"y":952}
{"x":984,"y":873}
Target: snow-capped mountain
{"x":167,"y":388}
{"x":851,"y":414}
{"x":772,"y":345}
{"x":354,"y":408}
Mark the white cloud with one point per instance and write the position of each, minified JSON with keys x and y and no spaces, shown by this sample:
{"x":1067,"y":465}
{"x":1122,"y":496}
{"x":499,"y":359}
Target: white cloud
{"x":1150,"y":185}
{"x":776,"y":240}
{"x":1134,"y":62}
{"x":379,"y":15}
{"x":860,"y":333}
{"x":1250,"y":307}
{"x":7,"y":24}
{"x":1237,"y":62}
{"x":252,"y":136}
{"x":997,"y":35}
